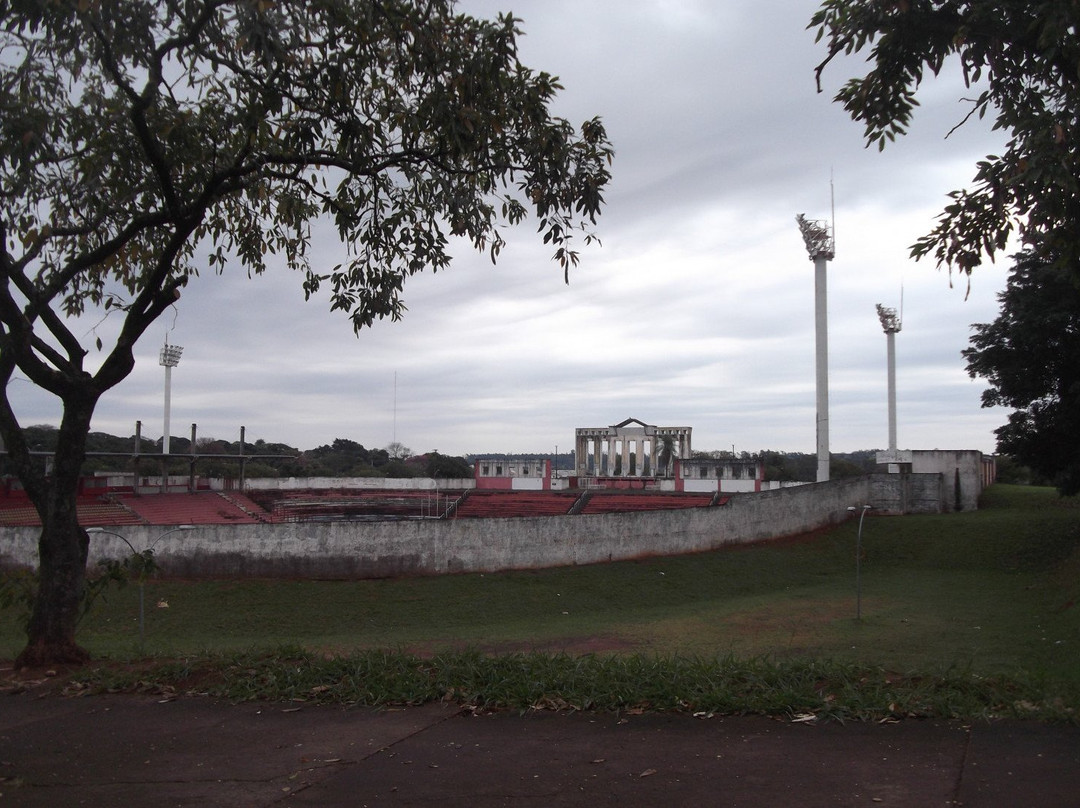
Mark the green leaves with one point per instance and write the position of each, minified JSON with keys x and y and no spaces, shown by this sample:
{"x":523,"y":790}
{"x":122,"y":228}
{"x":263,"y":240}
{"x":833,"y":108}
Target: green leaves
{"x":19,"y":587}
{"x":1030,"y":355}
{"x":1025,"y":57}
{"x":139,"y":135}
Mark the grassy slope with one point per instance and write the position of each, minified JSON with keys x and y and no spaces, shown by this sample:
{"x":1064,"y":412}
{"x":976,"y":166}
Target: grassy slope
{"x":985,"y":594}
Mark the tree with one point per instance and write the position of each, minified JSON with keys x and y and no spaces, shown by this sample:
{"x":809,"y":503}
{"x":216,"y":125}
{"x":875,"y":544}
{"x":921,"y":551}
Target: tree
{"x":1024,"y":56}
{"x":343,"y":458}
{"x":140,"y":136}
{"x":1011,"y":472}
{"x":404,"y":469}
{"x":1030,"y":355}
{"x":398,"y":451}
{"x":445,"y":467}
{"x":841,"y":468}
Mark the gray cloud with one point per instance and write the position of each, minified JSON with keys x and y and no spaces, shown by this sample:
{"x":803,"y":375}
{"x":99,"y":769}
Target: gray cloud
{"x":697,"y":310}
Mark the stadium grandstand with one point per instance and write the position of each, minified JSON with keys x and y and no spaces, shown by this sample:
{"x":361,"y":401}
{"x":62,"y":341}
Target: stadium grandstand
{"x":109,"y":508}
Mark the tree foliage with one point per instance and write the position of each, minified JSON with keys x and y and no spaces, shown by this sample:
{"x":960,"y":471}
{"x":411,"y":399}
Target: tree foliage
{"x":446,"y":467}
{"x":801,"y":466}
{"x":343,"y":458}
{"x":1023,"y":60}
{"x":140,"y":139}
{"x":1030,"y":355}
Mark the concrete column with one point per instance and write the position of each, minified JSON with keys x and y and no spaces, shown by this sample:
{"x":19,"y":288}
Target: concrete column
{"x":821,"y":342}
{"x":890,"y":337}
{"x":168,"y":402}
{"x":625,"y":457}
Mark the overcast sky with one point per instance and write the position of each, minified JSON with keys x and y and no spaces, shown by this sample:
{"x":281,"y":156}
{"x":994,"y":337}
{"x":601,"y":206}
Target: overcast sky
{"x":698,"y":309}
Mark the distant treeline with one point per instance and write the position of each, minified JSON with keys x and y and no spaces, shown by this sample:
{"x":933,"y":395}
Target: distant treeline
{"x":347,"y":458}
{"x":342,"y":458}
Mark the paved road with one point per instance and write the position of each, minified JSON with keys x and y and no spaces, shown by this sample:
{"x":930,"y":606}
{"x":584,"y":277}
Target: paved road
{"x":136,"y":751}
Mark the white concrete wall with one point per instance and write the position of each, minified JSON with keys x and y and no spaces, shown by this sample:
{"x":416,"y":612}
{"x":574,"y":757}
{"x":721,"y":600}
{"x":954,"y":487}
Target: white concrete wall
{"x":380,"y":549}
{"x":776,"y":485}
{"x":527,"y":484}
{"x":373,"y":483}
{"x":695,"y":486}
{"x":961,"y":475}
{"x":738,"y":486}
{"x":699,"y":486}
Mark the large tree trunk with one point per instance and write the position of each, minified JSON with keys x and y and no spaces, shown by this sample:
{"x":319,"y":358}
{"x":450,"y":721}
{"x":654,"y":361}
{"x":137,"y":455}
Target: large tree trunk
{"x":62,"y":550}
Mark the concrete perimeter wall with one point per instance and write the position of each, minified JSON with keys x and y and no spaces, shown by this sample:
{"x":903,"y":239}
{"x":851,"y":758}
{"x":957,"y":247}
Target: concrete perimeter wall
{"x":961,"y":475}
{"x":349,"y":550}
{"x":365,"y":483}
{"x":910,"y":493}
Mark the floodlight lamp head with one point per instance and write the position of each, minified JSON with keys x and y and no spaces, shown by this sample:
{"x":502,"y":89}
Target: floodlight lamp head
{"x":170,"y":355}
{"x":890,"y":321}
{"x":817,"y":237}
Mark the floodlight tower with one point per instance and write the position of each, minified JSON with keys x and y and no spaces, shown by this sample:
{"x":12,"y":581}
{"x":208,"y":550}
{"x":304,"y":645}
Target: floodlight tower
{"x":890,"y":322}
{"x":170,"y":358}
{"x":821,"y":247}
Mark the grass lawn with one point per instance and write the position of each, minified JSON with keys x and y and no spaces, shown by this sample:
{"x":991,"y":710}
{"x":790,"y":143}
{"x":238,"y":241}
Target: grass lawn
{"x":984,"y":594}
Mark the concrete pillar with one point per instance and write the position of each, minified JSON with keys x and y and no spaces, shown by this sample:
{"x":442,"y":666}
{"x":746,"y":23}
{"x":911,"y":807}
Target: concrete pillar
{"x":821,"y":247}
{"x":890,"y":337}
{"x":821,"y":343}
{"x":168,"y":403}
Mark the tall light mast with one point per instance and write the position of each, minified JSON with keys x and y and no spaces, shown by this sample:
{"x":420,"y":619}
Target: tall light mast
{"x":821,"y":248}
{"x":170,"y":358}
{"x":890,"y":322}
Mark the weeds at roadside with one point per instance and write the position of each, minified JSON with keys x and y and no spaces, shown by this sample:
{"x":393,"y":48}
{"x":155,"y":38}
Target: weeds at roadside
{"x":798,"y":690}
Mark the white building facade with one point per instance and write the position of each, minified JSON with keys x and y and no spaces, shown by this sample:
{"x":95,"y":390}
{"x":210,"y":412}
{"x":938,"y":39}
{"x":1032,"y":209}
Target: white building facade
{"x":630,"y":449}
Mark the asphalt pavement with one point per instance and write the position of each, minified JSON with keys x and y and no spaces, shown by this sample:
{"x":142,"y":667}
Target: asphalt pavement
{"x":135,"y":751}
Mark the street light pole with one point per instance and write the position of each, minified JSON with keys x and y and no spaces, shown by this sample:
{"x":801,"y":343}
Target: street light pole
{"x":142,"y":576}
{"x":858,"y":561}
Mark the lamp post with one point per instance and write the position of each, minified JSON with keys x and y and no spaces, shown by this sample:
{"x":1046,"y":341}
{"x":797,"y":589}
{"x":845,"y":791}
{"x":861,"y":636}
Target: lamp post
{"x":142,"y":575}
{"x":858,"y":560}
